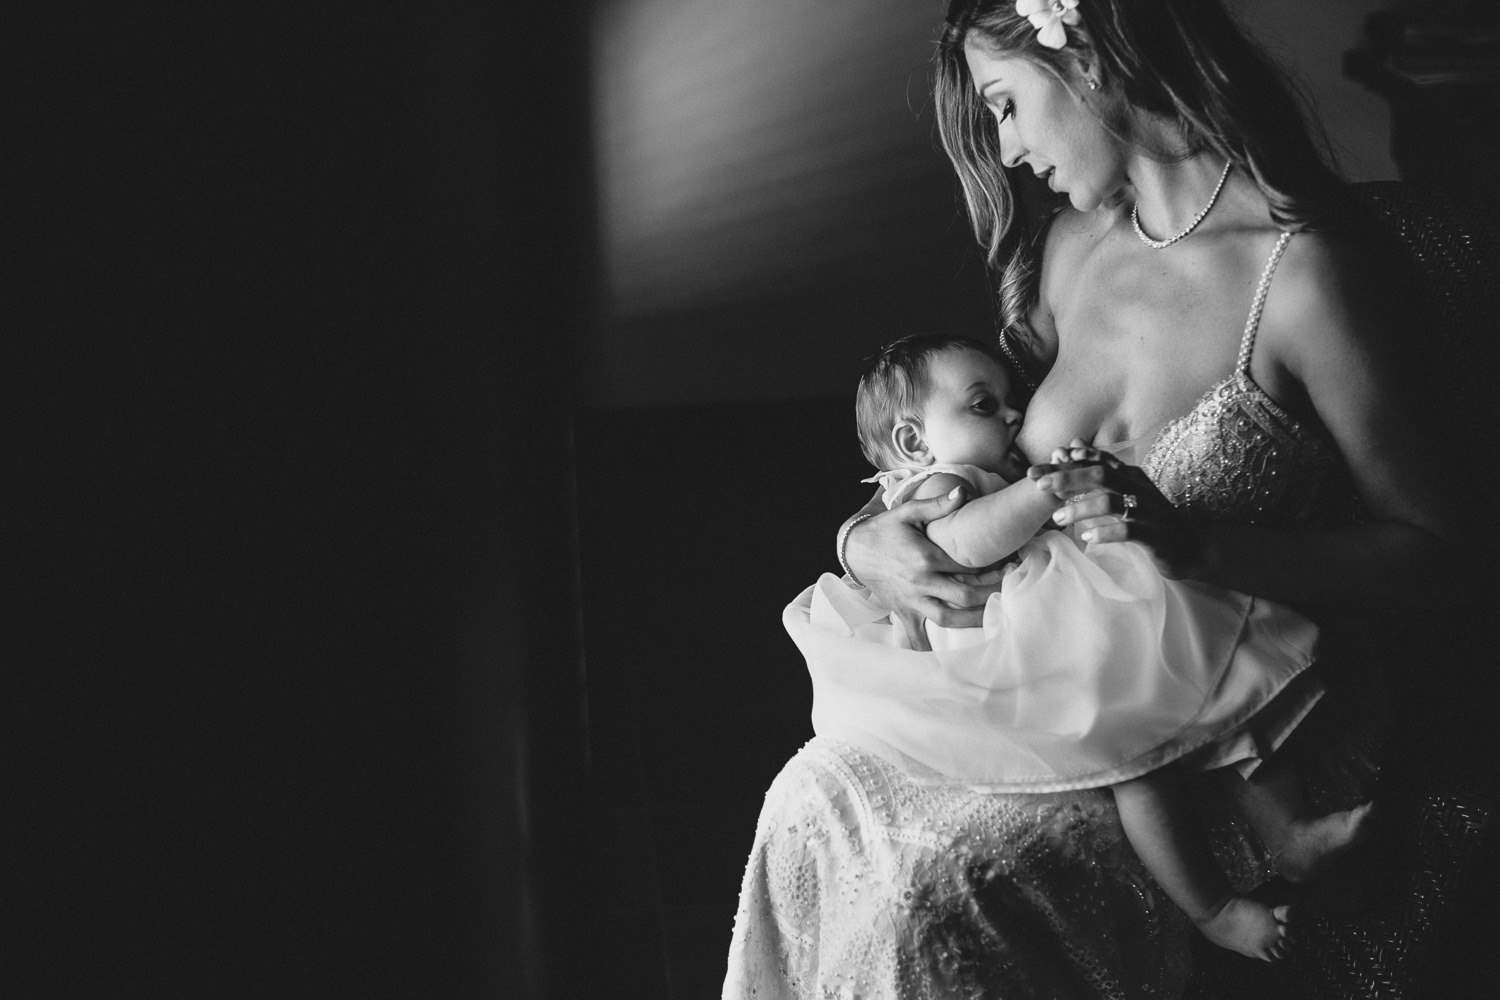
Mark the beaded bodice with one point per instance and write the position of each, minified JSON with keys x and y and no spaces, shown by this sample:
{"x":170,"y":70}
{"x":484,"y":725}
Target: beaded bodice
{"x":1238,"y":456}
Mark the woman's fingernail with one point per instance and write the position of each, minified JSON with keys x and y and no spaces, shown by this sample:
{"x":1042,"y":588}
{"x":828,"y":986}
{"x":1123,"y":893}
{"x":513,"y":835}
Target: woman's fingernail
{"x":953,"y":493}
{"x":1045,"y":483}
{"x":1059,"y":516}
{"x":1087,"y":536}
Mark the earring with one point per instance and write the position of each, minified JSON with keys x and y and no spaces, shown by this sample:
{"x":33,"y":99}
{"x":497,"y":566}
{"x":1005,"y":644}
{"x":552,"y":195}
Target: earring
{"x":1093,"y":84}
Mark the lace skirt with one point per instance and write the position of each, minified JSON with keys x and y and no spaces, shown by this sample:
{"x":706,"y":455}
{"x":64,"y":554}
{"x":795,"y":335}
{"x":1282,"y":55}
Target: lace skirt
{"x":865,"y":883}
{"x":862,"y":883}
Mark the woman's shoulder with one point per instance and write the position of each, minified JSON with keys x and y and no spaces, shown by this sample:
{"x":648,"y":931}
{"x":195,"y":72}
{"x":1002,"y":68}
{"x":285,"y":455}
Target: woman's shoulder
{"x":1333,"y":297}
{"x":1333,"y":271}
{"x":1318,"y":256}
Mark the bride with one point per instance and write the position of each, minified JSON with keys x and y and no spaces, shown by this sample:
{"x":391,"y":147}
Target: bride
{"x":1271,"y":456}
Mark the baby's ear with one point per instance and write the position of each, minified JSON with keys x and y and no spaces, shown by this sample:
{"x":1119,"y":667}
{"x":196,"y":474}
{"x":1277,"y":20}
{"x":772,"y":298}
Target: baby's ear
{"x":911,"y":447}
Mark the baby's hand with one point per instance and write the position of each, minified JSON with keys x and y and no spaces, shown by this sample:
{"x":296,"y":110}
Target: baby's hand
{"x":1078,"y":451}
{"x":1076,"y":454}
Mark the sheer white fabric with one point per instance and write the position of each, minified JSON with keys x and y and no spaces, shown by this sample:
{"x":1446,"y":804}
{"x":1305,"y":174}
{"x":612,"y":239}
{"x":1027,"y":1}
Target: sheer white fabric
{"x":1089,"y":669}
{"x":1139,"y":675}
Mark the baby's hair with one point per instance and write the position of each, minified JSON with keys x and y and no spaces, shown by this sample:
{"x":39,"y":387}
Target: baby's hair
{"x":894,"y":386}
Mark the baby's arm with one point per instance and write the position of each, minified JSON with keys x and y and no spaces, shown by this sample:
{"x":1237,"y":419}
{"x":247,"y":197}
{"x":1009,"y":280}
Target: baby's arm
{"x":986,"y":530}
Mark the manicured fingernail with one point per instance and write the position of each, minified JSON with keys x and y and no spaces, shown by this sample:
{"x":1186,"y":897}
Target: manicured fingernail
{"x":1059,"y":516}
{"x":1045,"y":483}
{"x":1087,"y":536}
{"x":953,"y":493}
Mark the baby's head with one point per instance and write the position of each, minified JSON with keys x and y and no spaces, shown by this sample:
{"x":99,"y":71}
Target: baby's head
{"x":933,"y":398}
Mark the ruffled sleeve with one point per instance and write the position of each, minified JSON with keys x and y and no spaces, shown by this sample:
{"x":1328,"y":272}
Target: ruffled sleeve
{"x":897,"y":484}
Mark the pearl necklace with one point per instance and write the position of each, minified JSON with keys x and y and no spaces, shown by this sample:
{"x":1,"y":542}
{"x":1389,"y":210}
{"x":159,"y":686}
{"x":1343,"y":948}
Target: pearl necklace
{"x":1135,"y":216}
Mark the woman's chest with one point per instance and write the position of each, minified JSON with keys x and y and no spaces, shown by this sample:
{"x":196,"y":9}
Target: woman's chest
{"x":1117,"y":381}
{"x":1170,"y":360}
{"x":1137,"y":343}
{"x":1237,"y":456}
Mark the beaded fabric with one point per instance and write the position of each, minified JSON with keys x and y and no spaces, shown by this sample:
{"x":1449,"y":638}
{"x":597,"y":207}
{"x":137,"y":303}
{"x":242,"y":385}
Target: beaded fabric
{"x":1238,"y":456}
{"x":864,"y":884}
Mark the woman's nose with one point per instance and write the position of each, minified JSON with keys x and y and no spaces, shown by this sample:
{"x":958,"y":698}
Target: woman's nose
{"x":1011,"y":152}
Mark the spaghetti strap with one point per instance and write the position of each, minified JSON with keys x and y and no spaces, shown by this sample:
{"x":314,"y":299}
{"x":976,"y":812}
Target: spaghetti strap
{"x":1247,"y":342}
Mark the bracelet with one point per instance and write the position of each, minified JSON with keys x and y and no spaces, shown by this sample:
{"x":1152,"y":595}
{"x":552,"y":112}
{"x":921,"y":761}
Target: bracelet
{"x":843,"y":542}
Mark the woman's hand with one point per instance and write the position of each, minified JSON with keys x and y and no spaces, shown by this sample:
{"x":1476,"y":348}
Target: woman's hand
{"x":1109,"y":501}
{"x":892,"y":556}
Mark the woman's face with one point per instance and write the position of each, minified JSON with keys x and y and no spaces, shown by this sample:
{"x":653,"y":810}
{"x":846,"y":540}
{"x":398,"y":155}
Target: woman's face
{"x":1046,"y":126}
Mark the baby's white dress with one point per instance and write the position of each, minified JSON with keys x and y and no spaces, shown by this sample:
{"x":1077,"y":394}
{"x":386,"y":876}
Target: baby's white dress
{"x":1090,"y":668}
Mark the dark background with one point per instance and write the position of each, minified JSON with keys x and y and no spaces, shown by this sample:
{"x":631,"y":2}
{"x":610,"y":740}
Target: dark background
{"x":296,"y":703}
{"x":773,"y":208}
{"x":394,"y":586}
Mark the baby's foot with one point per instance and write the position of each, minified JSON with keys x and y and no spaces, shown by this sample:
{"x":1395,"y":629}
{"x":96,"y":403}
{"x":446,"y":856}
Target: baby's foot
{"x":1312,"y":846}
{"x":1248,"y":927}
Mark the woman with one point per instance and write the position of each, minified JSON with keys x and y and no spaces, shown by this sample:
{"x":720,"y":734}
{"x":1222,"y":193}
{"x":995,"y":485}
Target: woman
{"x":1202,"y":307}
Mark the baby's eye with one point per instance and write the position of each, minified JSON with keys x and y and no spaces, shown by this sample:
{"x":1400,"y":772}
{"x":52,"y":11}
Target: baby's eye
{"x":985,"y":405}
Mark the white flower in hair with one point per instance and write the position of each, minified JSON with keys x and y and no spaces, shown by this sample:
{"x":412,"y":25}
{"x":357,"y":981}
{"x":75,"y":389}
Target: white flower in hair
{"x":1048,"y":18}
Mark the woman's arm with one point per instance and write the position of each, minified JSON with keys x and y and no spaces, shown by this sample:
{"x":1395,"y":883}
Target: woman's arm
{"x":1326,"y":349}
{"x":891,"y":555}
{"x":984,"y":531}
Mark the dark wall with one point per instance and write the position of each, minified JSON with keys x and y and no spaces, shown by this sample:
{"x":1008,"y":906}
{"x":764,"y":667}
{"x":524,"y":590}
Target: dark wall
{"x":774,"y":203}
{"x":296,"y":303}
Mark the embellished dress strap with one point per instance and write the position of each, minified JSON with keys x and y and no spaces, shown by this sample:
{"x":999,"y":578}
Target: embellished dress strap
{"x":1252,"y":323}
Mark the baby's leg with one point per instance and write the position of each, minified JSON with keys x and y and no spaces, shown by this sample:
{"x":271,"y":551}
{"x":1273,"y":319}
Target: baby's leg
{"x":1164,"y":831}
{"x":1305,"y":845}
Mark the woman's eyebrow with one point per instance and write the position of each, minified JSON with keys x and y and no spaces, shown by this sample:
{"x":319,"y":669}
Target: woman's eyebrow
{"x":987,"y":86}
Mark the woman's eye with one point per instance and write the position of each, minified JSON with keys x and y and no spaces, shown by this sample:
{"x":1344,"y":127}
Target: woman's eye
{"x":1006,"y":110}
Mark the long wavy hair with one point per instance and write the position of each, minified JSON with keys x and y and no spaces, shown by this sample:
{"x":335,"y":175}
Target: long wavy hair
{"x":1185,"y":60}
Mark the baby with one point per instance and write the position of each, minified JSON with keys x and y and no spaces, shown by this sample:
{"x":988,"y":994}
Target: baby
{"x":1090,"y":669}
